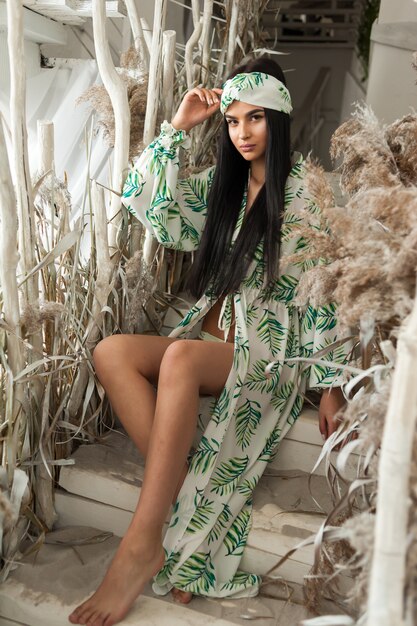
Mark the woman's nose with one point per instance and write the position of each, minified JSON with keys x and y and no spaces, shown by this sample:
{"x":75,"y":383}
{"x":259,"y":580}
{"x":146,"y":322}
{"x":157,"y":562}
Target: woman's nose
{"x":243,"y":131}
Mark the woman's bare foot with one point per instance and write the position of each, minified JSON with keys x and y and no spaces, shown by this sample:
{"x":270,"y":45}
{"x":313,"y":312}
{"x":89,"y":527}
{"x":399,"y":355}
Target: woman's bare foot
{"x":184,"y":597}
{"x":132,"y":567}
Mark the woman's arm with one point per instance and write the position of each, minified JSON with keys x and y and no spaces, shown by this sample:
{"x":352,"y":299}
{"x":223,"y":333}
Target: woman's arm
{"x":173,"y":209}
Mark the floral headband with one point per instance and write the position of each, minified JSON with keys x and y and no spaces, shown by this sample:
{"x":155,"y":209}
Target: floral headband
{"x":256,"y":88}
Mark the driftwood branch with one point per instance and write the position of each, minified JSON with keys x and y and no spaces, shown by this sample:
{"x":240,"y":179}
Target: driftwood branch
{"x":168,"y":56}
{"x":205,"y":40}
{"x":189,"y":54}
{"x":138,"y":35}
{"x":155,"y":68}
{"x":152,"y":103}
{"x":386,"y":589}
{"x":231,"y":44}
{"x":117,"y":91}
{"x":20,"y":161}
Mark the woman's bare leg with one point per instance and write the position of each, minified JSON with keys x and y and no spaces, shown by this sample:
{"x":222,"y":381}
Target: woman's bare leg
{"x":128,"y":368}
{"x":188,"y":368}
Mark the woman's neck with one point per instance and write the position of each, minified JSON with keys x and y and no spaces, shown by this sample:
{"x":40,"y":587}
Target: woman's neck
{"x":257,"y":173}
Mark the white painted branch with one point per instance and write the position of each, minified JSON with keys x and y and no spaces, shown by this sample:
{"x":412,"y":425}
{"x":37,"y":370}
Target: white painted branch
{"x":231,"y":42}
{"x":20,"y":164}
{"x":189,"y":53}
{"x":205,"y":40}
{"x":387,"y":581}
{"x":8,"y":260}
{"x":195,"y":7}
{"x":45,"y":146}
{"x":152,"y":103}
{"x":155,"y":67}
{"x":138,"y":35}
{"x":147,"y":33}
{"x":168,"y":69}
{"x":117,"y":91}
{"x":104,"y":264}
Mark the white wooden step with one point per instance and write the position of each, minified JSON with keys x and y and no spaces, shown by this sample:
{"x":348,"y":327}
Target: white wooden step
{"x":103,"y":487}
{"x":45,"y":590}
{"x":47,"y":585}
{"x":74,"y":12}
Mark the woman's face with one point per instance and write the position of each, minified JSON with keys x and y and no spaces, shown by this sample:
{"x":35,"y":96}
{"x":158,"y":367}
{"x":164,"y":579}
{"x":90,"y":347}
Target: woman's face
{"x":247,"y":129}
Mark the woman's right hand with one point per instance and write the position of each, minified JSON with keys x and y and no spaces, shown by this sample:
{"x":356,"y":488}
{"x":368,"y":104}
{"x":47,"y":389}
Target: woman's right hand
{"x":197,"y":106}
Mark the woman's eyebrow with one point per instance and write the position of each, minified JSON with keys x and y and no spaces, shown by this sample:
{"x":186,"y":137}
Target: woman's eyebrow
{"x":248,"y":114}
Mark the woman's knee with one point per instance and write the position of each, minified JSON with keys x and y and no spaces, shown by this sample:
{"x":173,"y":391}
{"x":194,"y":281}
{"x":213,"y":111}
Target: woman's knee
{"x":109,"y":354}
{"x":178,"y":360}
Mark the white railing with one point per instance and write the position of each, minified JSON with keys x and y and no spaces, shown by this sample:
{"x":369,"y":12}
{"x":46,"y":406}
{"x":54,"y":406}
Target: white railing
{"x":309,"y":119}
{"x":313,"y":21}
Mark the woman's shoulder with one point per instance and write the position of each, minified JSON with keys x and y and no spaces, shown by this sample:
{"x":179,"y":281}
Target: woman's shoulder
{"x":295,"y":178}
{"x":297,"y":170}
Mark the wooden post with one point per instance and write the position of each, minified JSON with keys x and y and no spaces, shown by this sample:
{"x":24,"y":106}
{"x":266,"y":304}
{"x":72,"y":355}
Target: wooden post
{"x":387,"y":580}
{"x":168,"y":67}
{"x":117,"y":91}
{"x":45,"y":146}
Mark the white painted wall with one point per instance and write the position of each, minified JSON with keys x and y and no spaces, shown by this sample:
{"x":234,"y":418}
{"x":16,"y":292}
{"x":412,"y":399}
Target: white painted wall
{"x":392,"y":89}
{"x":398,"y":11}
{"x":32,"y":61}
{"x":306,"y":62}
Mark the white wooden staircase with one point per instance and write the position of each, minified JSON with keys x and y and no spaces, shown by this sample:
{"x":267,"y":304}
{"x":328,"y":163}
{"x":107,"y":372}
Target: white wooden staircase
{"x":95,"y":501}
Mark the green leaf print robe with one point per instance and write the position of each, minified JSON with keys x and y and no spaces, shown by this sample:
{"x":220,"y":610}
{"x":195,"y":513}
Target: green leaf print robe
{"x":211,"y":518}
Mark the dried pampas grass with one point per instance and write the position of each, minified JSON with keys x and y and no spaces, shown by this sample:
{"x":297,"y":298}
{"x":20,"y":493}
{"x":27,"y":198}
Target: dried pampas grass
{"x":367,"y":158}
{"x":364,"y":258}
{"x":33,"y":317}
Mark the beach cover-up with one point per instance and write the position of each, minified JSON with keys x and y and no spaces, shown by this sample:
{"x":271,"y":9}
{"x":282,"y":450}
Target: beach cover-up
{"x":211,"y":518}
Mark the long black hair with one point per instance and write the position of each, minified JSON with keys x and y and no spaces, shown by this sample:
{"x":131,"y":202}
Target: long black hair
{"x":218,"y":265}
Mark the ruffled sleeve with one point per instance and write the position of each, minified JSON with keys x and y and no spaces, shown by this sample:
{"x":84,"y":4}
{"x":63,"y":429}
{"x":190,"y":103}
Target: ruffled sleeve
{"x":174,"y":210}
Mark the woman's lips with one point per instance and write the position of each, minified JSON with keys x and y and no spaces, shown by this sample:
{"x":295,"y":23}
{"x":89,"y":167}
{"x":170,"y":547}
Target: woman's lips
{"x":247,"y":147}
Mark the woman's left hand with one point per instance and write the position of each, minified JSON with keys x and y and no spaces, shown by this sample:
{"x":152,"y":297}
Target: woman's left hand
{"x":330,"y":403}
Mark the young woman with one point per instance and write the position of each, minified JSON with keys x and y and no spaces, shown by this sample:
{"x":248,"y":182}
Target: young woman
{"x":240,"y":217}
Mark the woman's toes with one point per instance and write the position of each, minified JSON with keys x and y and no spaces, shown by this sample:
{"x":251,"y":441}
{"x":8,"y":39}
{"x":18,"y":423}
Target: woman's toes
{"x":184,"y":597}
